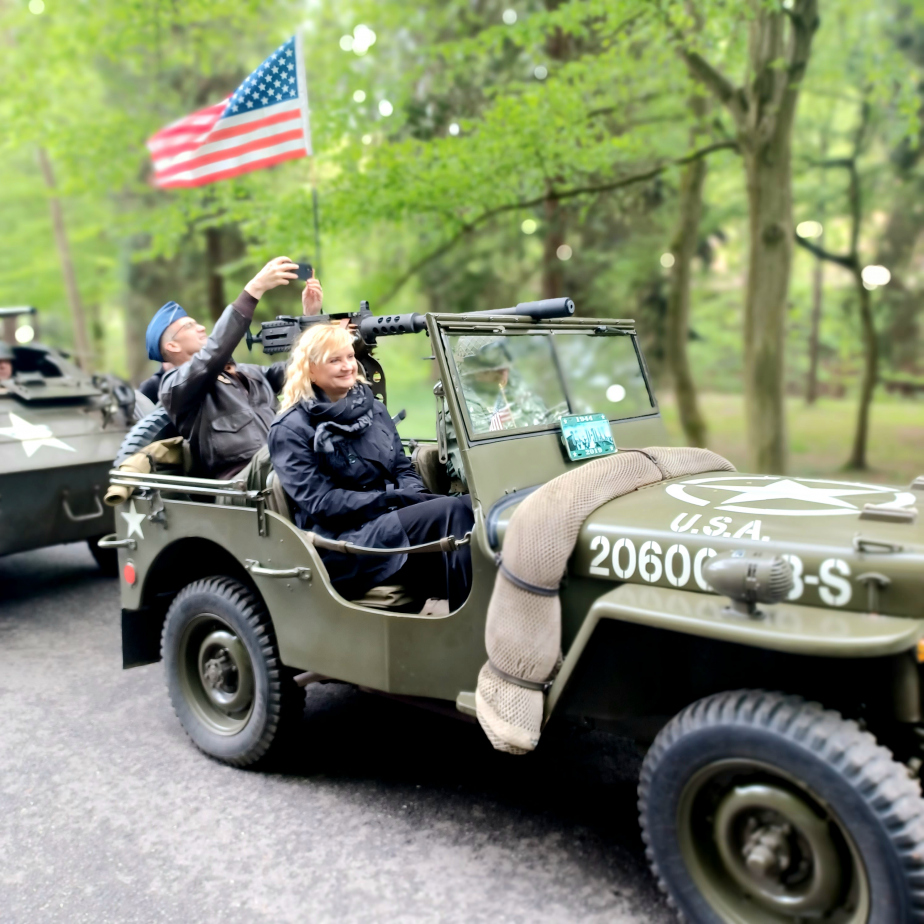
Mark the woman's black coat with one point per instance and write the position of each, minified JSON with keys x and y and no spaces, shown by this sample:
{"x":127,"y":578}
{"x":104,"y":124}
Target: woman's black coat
{"x":348,"y":493}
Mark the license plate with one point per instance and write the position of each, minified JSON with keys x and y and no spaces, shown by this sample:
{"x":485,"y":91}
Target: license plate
{"x":585,"y":436}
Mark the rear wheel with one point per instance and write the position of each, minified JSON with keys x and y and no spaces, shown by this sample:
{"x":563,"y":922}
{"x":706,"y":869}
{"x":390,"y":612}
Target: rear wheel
{"x":234,"y":698}
{"x":760,"y":808}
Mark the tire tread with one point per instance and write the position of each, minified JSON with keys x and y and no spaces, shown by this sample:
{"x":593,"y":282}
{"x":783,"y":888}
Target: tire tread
{"x":885,"y":784}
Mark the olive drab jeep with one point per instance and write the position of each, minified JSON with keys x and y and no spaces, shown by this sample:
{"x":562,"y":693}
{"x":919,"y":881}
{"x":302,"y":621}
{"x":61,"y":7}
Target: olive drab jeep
{"x":760,"y":635}
{"x":59,"y":431}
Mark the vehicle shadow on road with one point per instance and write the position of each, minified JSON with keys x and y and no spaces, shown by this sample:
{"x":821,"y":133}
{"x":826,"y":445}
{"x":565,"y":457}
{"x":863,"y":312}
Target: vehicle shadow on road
{"x":41,"y":573}
{"x":580,"y":780}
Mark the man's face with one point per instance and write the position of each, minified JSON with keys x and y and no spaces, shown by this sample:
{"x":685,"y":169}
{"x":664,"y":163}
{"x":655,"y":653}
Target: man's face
{"x":6,"y":369}
{"x":182,"y":340}
{"x":492,"y":377}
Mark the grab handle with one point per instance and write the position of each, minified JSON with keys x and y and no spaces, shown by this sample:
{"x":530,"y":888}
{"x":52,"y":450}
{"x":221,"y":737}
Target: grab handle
{"x":111,"y":542}
{"x":80,"y":518}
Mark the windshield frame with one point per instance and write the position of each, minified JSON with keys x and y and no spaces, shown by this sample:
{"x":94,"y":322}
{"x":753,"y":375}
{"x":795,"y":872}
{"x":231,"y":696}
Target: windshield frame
{"x":455,"y":325}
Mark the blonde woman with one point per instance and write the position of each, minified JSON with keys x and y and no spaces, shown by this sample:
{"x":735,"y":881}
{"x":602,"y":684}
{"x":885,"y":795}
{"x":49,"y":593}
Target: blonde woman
{"x":338,"y":455}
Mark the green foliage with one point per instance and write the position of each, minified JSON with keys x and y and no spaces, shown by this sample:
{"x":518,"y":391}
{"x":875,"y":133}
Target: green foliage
{"x":560,"y":107}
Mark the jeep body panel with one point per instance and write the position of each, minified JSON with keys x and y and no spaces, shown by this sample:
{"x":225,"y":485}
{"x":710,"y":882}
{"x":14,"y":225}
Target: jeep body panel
{"x":823,"y":631}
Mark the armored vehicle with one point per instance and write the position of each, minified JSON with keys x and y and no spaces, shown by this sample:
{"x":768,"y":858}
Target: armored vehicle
{"x":760,"y":635}
{"x":59,"y":432}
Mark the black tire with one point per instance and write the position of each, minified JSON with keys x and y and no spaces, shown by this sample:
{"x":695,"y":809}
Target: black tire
{"x":155,"y":426}
{"x":752,"y":752}
{"x":215,"y":631}
{"x":107,"y":559}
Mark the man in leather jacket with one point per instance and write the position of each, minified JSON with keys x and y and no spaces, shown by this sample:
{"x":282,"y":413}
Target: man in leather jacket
{"x":222,"y":408}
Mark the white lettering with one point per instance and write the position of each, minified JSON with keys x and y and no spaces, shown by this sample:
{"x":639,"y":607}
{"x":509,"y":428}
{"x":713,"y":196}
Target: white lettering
{"x":677,"y":580}
{"x":837,"y":591}
{"x":602,"y":543}
{"x":676,"y":524}
{"x":698,"y":562}
{"x":717,"y":525}
{"x":627,"y":572}
{"x":797,"y":586}
{"x":649,"y":567}
{"x":752,"y":529}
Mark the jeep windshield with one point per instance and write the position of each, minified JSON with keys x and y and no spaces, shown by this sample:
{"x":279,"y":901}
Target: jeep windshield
{"x":529,"y":380}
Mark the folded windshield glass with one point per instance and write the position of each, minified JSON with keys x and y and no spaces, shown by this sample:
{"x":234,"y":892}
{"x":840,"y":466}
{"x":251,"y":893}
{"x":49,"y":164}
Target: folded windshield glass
{"x":512,"y":381}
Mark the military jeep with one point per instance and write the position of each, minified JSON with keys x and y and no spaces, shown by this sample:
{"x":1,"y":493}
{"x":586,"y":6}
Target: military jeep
{"x":61,"y":429}
{"x":708,"y":617}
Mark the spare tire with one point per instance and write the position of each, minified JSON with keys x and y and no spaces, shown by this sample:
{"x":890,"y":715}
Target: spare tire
{"x":153,"y":427}
{"x":143,"y":406}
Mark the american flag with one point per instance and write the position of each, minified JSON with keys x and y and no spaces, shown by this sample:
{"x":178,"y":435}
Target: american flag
{"x":501,"y":419}
{"x":263,"y":122}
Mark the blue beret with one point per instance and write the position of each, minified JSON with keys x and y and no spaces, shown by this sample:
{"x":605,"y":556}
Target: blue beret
{"x":165,"y":316}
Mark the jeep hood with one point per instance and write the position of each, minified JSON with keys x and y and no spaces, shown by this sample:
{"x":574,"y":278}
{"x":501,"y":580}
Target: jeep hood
{"x":845,"y":550}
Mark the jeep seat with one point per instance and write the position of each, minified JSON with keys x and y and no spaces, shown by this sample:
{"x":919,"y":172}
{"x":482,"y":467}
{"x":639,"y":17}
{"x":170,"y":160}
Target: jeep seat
{"x":383,"y":597}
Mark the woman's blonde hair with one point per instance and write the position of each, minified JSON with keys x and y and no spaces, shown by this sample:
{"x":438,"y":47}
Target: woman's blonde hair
{"x":315,"y":345}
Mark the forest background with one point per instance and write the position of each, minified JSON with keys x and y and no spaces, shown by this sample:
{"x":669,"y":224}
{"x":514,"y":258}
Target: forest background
{"x":733,"y":175}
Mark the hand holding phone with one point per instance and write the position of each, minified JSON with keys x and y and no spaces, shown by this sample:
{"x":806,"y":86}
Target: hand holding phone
{"x":305,"y":271}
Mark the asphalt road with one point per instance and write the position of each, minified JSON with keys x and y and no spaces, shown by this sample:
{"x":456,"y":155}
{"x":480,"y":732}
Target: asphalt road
{"x":386,"y":813}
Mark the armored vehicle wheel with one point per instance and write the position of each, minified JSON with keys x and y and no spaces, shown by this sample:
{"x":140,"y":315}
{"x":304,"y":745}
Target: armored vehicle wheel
{"x":107,"y":559}
{"x":155,"y":426}
{"x":228,"y":688}
{"x":760,"y":808}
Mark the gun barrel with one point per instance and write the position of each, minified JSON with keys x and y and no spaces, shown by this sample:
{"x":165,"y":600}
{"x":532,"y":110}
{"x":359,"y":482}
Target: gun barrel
{"x":374,"y":326}
{"x":538,"y":311}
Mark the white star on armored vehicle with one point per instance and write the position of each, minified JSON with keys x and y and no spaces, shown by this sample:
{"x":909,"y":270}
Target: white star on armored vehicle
{"x":32,"y":436}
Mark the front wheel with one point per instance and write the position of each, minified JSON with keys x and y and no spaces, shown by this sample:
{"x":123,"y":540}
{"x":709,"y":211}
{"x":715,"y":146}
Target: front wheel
{"x":229,"y":689}
{"x":761,"y":808}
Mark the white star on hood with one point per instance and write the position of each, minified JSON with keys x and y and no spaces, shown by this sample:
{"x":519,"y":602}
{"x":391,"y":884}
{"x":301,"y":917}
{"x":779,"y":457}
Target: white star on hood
{"x":134,"y":520}
{"x":786,"y":489}
{"x":32,"y":436}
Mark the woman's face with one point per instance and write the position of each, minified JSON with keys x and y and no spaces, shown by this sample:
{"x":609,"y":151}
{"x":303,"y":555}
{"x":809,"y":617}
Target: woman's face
{"x":336,"y":375}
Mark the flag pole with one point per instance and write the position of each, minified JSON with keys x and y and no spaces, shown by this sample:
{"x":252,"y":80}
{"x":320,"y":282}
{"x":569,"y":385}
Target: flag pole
{"x":303,"y":100}
{"x":317,"y":223}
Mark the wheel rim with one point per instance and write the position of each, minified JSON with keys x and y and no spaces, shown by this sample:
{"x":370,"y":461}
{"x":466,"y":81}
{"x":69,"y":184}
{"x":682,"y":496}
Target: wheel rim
{"x":216,"y":674}
{"x":764,"y":849}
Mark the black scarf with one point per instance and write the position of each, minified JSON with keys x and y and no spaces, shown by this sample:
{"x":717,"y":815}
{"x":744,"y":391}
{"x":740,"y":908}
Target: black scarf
{"x":334,"y":420}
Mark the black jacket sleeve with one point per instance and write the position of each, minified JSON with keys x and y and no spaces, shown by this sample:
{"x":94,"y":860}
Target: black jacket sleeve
{"x":181,"y":389}
{"x":276,"y":376}
{"x":404,"y":471}
{"x":314,"y":491}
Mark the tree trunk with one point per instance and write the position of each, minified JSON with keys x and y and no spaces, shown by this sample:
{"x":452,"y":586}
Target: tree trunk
{"x":769,"y":267}
{"x":81,"y":339}
{"x":216,"y":282}
{"x":870,"y":375}
{"x":818,"y":282}
{"x":552,"y":274}
{"x":683,"y":247}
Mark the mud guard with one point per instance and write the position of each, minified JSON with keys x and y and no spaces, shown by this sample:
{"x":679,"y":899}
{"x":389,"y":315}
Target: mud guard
{"x":787,"y":628}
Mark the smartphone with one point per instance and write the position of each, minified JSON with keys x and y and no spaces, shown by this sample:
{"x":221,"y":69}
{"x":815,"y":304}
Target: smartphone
{"x":305,"y":271}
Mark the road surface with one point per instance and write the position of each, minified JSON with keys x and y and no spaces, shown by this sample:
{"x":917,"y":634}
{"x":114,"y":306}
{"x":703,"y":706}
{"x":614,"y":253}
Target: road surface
{"x":385,"y":813}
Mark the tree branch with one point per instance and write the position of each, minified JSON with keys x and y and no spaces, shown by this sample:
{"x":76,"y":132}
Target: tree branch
{"x":846,"y":260}
{"x":554,"y":195}
{"x":720,"y":86}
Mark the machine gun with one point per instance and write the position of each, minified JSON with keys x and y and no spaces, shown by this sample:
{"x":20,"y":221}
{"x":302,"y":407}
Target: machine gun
{"x":279,"y":336}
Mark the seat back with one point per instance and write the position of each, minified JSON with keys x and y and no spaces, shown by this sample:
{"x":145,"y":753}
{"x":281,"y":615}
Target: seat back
{"x":426,"y":461}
